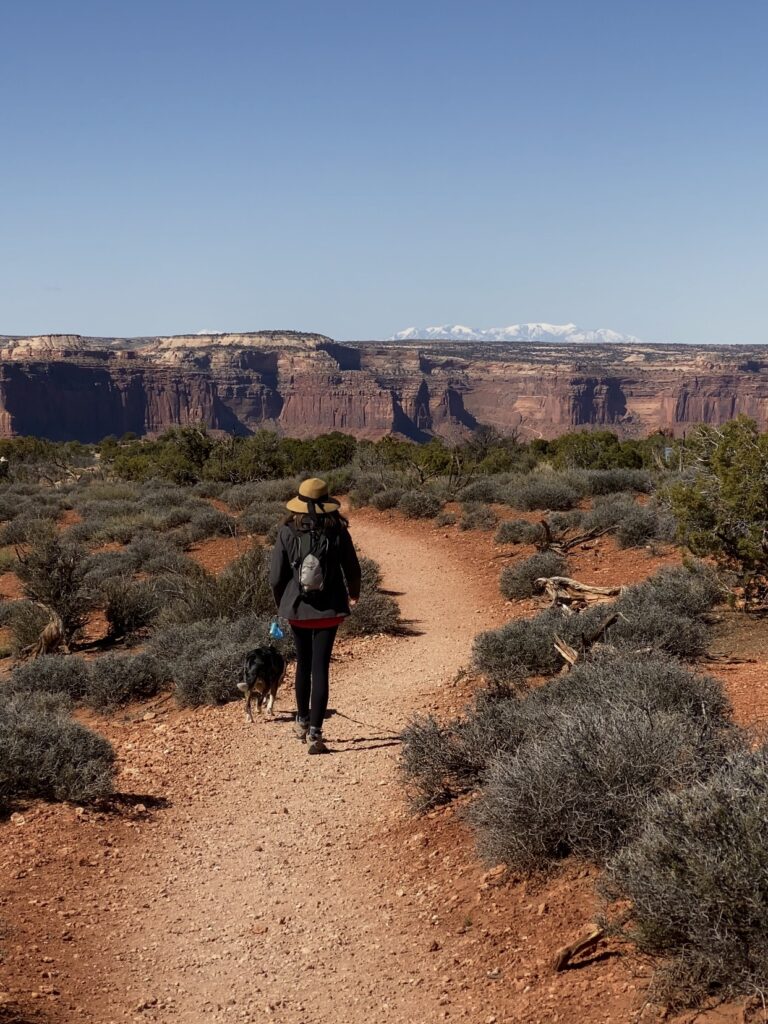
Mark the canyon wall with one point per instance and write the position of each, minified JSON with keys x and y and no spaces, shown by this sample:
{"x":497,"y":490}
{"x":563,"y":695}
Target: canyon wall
{"x":68,"y":387}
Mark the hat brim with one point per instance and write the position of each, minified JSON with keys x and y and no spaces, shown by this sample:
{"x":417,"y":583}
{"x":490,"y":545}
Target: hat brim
{"x":322,"y":505}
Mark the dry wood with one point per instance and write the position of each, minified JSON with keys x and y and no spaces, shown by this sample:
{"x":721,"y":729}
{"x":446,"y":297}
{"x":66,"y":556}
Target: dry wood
{"x":563,"y":590}
{"x":568,"y":653}
{"x":565,"y":954}
{"x":51,"y":638}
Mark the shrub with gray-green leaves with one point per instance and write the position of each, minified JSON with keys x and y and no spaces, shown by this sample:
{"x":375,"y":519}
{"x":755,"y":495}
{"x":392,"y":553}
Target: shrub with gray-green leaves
{"x":45,"y":754}
{"x":419,"y":505}
{"x":662,"y":614}
{"x":543,"y":491}
{"x":475,"y":516}
{"x":118,"y":679}
{"x":61,"y":674}
{"x":205,"y":659}
{"x":518,"y":531}
{"x":695,"y":878}
{"x":519,"y":580}
{"x":375,"y":612}
{"x":583,"y":785}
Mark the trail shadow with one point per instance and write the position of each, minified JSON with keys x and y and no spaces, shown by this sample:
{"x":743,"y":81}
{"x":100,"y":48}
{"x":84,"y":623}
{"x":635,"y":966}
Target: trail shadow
{"x":598,"y":958}
{"x":408,"y":627}
{"x":388,"y":742}
{"x":119,"y":803}
{"x":13,"y":1014}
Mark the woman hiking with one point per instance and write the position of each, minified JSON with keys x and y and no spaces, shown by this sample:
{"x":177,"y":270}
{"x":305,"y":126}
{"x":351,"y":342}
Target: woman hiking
{"x":315,"y":577}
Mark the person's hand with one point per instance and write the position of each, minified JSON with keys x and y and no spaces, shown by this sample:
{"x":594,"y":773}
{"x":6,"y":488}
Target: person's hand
{"x":352,"y":602}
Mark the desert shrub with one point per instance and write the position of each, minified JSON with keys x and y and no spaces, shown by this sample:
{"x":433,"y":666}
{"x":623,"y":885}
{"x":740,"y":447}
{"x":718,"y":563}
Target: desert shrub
{"x":611,"y":481}
{"x":209,"y":488}
{"x":519,"y":580}
{"x":386,"y":499}
{"x":692,"y":589}
{"x":661,"y":614}
{"x":116,"y":680}
{"x":419,"y":505}
{"x":54,"y":572}
{"x":155,"y":555}
{"x":583,"y":785}
{"x":441,"y":761}
{"x":370,"y":574}
{"x":18,"y":530}
{"x":656,"y":682}
{"x":485,"y":490}
{"x":131,"y":605}
{"x":53,"y":673}
{"x":374,"y":612}
{"x":477,"y":517}
{"x":261,"y":517}
{"x":241,"y":496}
{"x":695,"y":876}
{"x":207,"y":522}
{"x":608,"y":511}
{"x":561,"y":522}
{"x":205,"y":658}
{"x":121,"y":528}
{"x":26,"y":620}
{"x":44,"y":753}
{"x":241,"y":589}
{"x":445,"y":519}
{"x":543,"y":491}
{"x":643,"y":524}
{"x":519,"y":648}
{"x":517,"y":531}
{"x":646,"y":621}
{"x":7,"y":561}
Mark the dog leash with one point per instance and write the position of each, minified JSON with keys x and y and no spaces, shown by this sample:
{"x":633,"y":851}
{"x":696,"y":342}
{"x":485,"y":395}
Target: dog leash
{"x":369,"y":725}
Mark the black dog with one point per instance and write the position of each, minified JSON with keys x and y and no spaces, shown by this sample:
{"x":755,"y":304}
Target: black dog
{"x":262,"y":674}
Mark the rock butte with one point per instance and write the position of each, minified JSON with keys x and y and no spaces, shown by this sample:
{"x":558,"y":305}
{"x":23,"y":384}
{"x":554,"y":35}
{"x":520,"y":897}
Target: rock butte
{"x":70,"y":387}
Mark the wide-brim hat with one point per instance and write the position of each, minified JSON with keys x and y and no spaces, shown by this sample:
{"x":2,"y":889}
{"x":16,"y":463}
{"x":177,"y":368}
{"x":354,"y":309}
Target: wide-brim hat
{"x":313,"y":496}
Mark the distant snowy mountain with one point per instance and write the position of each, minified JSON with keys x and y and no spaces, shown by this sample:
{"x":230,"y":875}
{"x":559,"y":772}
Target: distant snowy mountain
{"x":516,"y":332}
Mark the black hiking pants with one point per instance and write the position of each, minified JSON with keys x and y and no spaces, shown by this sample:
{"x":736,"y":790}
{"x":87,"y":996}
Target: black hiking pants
{"x":313,"y":659}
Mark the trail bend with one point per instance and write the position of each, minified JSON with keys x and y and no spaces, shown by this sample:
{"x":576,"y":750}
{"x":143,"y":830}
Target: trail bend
{"x":257,"y":895}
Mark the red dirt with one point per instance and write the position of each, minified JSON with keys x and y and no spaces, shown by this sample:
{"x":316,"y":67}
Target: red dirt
{"x":215,"y":553}
{"x":299,"y":890}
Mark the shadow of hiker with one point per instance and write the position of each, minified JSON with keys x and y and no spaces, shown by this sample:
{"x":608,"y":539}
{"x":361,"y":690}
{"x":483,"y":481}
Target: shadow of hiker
{"x":11,"y":1013}
{"x":138,"y":803}
{"x":598,"y":958}
{"x":364,"y":743}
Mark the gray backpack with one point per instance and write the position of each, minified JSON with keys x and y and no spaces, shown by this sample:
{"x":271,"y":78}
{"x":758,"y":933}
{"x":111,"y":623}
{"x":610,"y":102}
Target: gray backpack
{"x":311,"y":566}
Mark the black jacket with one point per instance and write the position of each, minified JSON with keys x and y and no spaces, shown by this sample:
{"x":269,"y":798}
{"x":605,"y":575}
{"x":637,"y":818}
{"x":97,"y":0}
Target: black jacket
{"x":342,"y":579}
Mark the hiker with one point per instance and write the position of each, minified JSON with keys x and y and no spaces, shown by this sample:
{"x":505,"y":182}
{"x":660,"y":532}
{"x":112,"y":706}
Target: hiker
{"x":315,"y":578}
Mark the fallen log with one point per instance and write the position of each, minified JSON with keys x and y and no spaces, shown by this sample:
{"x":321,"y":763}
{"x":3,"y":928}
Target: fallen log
{"x":564,"y":590}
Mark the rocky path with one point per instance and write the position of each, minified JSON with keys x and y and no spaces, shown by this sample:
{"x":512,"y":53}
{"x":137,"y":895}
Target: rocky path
{"x":259,"y":894}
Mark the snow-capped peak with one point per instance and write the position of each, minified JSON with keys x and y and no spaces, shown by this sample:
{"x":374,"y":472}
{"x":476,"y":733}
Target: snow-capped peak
{"x":516,"y":332}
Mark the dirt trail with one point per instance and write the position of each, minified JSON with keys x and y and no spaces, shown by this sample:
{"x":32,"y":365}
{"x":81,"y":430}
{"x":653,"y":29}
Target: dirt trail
{"x":258,"y":894}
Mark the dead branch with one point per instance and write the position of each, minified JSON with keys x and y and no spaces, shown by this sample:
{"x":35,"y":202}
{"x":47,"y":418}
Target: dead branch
{"x":50,"y":640}
{"x":565,"y":954}
{"x":594,"y":934}
{"x":570,"y":655}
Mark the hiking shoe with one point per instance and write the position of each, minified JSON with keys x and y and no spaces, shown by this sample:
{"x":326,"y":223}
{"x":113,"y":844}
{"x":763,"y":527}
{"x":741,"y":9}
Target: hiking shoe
{"x":316,"y":743}
{"x":301,"y":728}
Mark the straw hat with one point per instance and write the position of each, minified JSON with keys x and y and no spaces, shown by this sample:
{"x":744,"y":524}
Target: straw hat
{"x":313,"y":495}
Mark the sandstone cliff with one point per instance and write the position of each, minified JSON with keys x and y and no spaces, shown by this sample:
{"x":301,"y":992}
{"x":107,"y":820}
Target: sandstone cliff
{"x":67,"y":386}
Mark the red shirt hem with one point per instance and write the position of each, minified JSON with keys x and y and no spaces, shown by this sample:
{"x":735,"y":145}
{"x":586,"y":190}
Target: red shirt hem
{"x":317,"y":623}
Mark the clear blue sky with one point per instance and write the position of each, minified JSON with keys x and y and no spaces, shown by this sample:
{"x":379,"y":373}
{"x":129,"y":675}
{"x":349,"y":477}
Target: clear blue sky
{"x":357,"y":167}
